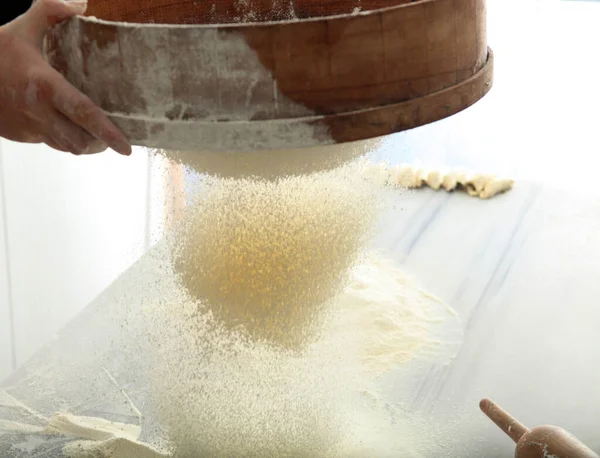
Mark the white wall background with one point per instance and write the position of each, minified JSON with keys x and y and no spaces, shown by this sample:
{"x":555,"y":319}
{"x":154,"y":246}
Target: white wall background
{"x":540,"y":121}
{"x":7,"y":356}
{"x":70,"y":225}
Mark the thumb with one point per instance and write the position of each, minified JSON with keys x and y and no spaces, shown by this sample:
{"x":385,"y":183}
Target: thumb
{"x":33,"y":25}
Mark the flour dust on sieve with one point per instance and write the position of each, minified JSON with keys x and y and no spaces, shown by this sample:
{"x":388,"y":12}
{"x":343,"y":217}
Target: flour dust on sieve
{"x":270,"y":164}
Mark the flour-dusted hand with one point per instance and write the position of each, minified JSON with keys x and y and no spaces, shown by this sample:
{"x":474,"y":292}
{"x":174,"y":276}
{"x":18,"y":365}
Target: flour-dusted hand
{"x":37,"y":104}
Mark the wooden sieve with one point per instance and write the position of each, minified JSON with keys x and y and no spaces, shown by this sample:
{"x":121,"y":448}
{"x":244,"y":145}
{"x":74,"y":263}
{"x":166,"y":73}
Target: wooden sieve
{"x":228,"y":75}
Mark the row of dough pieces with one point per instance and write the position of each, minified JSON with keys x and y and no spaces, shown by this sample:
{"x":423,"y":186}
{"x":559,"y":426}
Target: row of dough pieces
{"x":479,"y":185}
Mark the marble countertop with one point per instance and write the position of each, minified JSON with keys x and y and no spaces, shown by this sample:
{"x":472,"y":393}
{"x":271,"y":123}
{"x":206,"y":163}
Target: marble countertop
{"x":523,"y":271}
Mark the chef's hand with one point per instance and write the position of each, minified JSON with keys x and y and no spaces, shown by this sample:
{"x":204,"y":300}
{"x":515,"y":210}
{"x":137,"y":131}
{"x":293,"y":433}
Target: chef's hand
{"x":37,"y":104}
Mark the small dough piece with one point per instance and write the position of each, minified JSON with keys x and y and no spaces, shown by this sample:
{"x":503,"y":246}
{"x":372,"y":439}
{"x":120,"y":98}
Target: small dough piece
{"x":450,"y":181}
{"x":461,"y":179}
{"x":484,"y":186}
{"x":423,"y":174}
{"x":476,"y":184}
{"x":434,"y":180}
{"x":404,"y":177}
{"x":495,"y":187}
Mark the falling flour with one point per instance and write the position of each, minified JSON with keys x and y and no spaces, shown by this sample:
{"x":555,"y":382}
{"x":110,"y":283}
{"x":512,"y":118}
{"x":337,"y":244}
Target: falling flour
{"x":220,"y":393}
{"x":282,"y":321}
{"x":282,"y":326}
{"x":266,"y":256}
{"x":225,"y":396}
{"x":270,"y":164}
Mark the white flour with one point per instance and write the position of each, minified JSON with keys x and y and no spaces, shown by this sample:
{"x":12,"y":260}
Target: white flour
{"x":284,"y":330}
{"x":280,"y":10}
{"x":389,"y":315}
{"x":264,"y":256}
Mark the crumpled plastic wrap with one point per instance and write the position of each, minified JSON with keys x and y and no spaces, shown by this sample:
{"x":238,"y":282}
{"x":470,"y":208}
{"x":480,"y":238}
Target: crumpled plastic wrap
{"x":93,"y":369}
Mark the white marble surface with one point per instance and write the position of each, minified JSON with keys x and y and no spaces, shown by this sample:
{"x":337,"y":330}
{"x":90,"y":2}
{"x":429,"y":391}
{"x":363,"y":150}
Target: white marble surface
{"x":7,"y":355}
{"x":522,"y":270}
{"x":68,"y":227}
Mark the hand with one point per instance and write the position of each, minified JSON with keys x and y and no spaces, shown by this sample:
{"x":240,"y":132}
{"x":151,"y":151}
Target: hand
{"x":37,"y":104}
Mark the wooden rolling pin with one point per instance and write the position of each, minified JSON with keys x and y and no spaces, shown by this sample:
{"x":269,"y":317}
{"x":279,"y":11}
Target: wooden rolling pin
{"x":540,"y":442}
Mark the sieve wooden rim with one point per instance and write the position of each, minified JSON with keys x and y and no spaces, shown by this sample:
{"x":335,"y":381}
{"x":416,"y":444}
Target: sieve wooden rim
{"x":251,"y":24}
{"x":373,"y":73}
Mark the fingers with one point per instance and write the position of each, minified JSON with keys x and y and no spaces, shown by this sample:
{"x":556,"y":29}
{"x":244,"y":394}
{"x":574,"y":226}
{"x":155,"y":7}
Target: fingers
{"x":93,"y":148}
{"x":64,"y":135}
{"x":51,"y":109}
{"x":52,"y":144}
{"x":96,"y":146}
{"x":33,"y":25}
{"x":57,"y":11}
{"x":85,"y":113}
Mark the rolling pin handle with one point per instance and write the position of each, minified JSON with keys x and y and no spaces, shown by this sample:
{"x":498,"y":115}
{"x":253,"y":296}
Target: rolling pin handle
{"x":503,"y":419}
